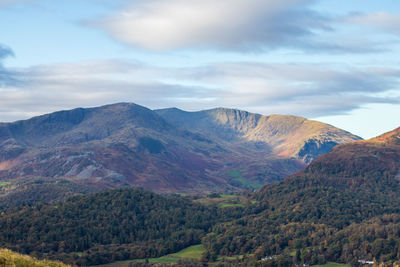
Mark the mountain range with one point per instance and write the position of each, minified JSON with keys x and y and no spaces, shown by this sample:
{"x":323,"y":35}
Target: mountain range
{"x":165,"y":151}
{"x":344,"y":207}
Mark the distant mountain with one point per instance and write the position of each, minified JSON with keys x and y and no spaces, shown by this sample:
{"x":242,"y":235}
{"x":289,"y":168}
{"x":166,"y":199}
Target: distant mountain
{"x":166,"y":151}
{"x":111,"y":146}
{"x":279,"y":135}
{"x":343,"y":207}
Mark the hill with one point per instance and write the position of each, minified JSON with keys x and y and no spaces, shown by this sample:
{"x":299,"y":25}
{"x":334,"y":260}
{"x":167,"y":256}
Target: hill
{"x":107,"y":147}
{"x":9,"y":258}
{"x":343,"y":207}
{"x":22,"y":192}
{"x":109,"y":226}
{"x":124,"y":145}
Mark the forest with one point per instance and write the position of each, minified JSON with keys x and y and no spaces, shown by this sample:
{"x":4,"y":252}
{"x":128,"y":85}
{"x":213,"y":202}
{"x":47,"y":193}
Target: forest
{"x":108,"y":226}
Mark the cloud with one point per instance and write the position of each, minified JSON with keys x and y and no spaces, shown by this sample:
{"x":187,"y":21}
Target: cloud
{"x":382,"y":21}
{"x":299,"y":89}
{"x":7,"y":77}
{"x":48,"y":88}
{"x":303,"y":89}
{"x":5,"y":52}
{"x":241,"y":25}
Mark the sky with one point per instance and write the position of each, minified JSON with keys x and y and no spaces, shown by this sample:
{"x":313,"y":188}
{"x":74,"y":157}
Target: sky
{"x":333,"y":61}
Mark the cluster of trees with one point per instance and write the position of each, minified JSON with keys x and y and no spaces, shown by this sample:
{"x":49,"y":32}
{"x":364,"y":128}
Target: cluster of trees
{"x":30,"y":191}
{"x":378,"y":238}
{"x":108,"y":226}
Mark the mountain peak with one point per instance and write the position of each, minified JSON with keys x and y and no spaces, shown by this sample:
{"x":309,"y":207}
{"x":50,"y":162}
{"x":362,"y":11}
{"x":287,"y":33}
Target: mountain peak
{"x":81,"y":124}
{"x":284,"y":135}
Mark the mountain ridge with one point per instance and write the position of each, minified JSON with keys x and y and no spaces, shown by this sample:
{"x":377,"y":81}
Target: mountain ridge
{"x":278,"y":131}
{"x":125,"y":144}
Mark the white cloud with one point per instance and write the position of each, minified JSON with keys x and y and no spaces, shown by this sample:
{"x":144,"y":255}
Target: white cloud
{"x":5,"y":52}
{"x":6,"y":76}
{"x":224,"y":24}
{"x":47,"y":88}
{"x":300,"y":89}
{"x":381,"y":20}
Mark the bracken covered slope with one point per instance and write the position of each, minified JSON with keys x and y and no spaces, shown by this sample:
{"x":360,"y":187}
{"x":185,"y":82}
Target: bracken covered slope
{"x":9,"y":258}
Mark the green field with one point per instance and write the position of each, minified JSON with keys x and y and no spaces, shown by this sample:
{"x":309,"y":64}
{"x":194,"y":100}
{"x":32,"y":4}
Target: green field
{"x":193,"y":252}
{"x":226,"y":205}
{"x":292,"y":253}
{"x":164,"y":259}
{"x":232,"y":258}
{"x":224,"y":201}
{"x":227,"y":196}
{"x":333,"y":264}
{"x":237,"y":176}
{"x":4,"y":183}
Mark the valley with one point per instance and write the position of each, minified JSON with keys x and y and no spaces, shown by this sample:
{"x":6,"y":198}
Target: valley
{"x":342,"y":207}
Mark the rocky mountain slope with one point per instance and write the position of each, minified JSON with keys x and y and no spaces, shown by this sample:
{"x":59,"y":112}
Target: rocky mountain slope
{"x":166,"y":151}
{"x":110,"y":146}
{"x":279,"y":135}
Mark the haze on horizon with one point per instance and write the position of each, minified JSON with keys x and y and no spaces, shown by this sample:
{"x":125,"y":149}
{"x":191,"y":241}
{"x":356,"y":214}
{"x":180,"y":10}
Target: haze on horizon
{"x":333,"y":61}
